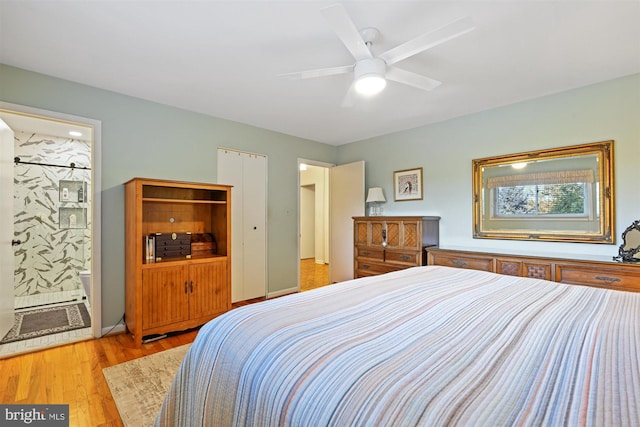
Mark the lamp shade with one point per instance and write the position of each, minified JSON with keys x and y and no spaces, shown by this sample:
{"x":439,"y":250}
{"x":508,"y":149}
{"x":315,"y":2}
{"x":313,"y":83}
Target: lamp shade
{"x":375,"y":194}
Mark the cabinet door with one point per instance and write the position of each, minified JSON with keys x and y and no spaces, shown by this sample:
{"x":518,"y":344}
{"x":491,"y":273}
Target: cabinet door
{"x":412,"y":235}
{"x":377,"y":233}
{"x":393,"y":231}
{"x":509,"y":267}
{"x":404,"y":234}
{"x":209,"y":290}
{"x":361,"y":233}
{"x":164,"y":296}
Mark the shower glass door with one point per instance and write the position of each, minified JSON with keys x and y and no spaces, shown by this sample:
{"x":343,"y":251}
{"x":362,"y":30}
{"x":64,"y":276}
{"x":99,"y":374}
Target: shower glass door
{"x":51,"y":218}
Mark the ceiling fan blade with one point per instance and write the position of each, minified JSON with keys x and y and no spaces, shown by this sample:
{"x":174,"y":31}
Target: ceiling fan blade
{"x":321,"y":72}
{"x":412,"y":79}
{"x":428,"y":40}
{"x":346,"y":30}
{"x":349,"y":98}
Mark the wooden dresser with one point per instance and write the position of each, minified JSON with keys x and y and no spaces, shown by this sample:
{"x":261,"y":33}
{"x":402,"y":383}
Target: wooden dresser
{"x":598,"y":271}
{"x":388,"y":243}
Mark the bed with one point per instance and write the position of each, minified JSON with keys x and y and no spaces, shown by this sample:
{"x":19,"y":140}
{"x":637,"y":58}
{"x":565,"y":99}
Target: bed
{"x":428,"y":346}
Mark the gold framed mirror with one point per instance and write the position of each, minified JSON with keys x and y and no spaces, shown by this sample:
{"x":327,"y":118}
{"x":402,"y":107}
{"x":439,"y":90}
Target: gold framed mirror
{"x":561,"y":194}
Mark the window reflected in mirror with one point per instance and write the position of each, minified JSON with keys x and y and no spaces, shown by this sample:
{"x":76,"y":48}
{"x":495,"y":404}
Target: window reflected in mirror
{"x":562,"y":194}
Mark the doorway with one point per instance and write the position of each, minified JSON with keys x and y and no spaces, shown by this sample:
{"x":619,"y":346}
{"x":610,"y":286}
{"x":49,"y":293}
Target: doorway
{"x":55,"y":209}
{"x":314,"y":226}
{"x":338,"y":195}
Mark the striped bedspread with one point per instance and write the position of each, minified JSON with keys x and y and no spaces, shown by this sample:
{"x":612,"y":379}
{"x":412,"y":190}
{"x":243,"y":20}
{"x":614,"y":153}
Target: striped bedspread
{"x":428,"y":346}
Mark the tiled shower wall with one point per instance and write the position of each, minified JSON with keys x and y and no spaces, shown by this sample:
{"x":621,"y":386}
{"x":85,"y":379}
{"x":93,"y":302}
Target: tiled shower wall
{"x":50,"y":256}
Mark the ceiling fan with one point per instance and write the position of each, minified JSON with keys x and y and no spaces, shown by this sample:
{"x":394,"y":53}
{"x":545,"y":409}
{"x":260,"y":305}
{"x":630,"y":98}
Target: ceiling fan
{"x":372,"y":72}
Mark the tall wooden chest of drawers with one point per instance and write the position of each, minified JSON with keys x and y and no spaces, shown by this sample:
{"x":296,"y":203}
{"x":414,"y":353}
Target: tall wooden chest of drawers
{"x":389,"y":243}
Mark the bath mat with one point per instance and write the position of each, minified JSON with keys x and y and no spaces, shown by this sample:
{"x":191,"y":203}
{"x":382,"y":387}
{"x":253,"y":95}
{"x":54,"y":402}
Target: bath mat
{"x":46,"y":321}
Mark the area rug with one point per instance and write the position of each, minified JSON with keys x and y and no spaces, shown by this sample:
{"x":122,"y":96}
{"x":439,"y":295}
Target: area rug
{"x":140,"y":385}
{"x":46,"y":321}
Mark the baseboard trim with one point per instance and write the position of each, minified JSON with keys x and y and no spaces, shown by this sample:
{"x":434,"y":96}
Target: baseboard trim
{"x":114,"y":329}
{"x":282,"y":293}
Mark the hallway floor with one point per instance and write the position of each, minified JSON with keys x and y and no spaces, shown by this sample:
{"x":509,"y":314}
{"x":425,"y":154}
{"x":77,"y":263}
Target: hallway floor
{"x":313,"y":275}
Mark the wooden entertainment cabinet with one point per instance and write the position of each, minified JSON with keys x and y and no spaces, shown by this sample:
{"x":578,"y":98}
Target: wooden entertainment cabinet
{"x":594,"y":271}
{"x":183,"y":291}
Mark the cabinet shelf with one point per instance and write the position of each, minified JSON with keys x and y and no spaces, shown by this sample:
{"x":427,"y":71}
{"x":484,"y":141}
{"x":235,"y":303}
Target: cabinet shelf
{"x":179,"y":261}
{"x":206,"y":202}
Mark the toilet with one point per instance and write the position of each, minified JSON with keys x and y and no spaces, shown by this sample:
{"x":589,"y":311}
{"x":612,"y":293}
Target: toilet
{"x":85,"y":278}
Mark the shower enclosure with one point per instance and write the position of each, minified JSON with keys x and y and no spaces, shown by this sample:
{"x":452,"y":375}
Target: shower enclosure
{"x":52,"y":228}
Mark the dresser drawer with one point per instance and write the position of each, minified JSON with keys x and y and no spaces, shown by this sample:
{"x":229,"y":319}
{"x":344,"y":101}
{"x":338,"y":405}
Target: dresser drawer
{"x":461,"y":261}
{"x":369,"y":268}
{"x":370,"y":253}
{"x":406,"y":258}
{"x":601,"y":277}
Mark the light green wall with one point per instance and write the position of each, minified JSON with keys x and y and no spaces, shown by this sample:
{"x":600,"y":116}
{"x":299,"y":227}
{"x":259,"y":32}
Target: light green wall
{"x":609,"y":110}
{"x":146,"y":139}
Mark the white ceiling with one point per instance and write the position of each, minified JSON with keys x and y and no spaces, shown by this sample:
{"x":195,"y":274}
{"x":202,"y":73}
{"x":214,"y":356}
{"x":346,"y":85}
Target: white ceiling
{"x":223,"y":58}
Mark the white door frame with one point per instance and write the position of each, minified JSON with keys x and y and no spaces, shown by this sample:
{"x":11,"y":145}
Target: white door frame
{"x":7,"y":270}
{"x":96,"y":186}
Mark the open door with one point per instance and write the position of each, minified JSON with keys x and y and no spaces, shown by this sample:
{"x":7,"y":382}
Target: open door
{"x":346,"y":200}
{"x":6,"y":229}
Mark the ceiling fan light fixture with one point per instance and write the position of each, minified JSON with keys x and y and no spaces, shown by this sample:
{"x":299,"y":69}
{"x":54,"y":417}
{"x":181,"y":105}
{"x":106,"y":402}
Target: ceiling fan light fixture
{"x":369,"y":76}
{"x":370,"y":84}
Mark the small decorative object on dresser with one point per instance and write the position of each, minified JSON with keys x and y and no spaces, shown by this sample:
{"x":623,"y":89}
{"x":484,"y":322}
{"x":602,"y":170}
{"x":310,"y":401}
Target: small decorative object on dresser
{"x":388,"y":243}
{"x":630,"y":248}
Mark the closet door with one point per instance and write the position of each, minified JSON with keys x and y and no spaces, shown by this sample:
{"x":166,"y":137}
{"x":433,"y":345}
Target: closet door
{"x":248,"y":175}
{"x":255,"y":226}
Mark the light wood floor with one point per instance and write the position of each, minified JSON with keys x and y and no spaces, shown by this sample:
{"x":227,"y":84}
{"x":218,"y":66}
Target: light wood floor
{"x":313,"y":275}
{"x":72,"y":374}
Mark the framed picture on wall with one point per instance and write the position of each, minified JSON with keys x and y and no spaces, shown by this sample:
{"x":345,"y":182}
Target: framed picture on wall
{"x":407,"y":184}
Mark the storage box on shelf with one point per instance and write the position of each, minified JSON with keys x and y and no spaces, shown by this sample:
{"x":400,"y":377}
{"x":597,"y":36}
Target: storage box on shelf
{"x":176,"y":288}
{"x":388,"y":243}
